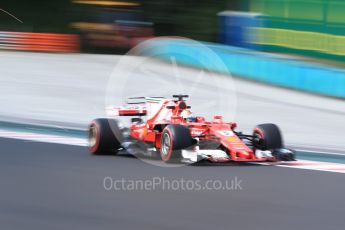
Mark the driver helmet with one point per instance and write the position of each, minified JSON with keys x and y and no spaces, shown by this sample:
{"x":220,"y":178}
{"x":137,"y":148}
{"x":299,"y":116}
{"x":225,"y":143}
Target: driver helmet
{"x":188,"y":115}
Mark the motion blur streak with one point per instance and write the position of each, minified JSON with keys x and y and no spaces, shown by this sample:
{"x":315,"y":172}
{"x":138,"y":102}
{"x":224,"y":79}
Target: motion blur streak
{"x":106,"y":3}
{"x":49,"y":42}
{"x":303,"y":40}
{"x":11,"y":15}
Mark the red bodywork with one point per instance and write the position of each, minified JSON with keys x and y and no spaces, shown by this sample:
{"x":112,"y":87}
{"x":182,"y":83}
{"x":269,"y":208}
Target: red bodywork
{"x":216,"y":130}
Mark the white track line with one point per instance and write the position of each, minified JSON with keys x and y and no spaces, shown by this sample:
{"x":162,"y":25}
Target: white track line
{"x":46,"y":138}
{"x":323,"y":152}
{"x":315,"y":165}
{"x":311,"y":165}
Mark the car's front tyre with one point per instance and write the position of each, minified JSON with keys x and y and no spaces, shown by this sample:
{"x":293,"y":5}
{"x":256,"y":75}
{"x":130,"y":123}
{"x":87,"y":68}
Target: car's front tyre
{"x":267,"y":136}
{"x":174,"y":138}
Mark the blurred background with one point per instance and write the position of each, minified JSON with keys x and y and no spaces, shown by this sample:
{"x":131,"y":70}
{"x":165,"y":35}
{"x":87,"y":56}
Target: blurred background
{"x":313,"y":28}
{"x":310,"y":32}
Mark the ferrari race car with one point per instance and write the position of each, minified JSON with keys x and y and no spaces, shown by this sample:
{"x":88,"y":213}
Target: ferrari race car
{"x":171,"y":132}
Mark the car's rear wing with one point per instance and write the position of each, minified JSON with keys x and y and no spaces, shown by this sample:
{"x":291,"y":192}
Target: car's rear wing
{"x":141,"y":100}
{"x":135,"y":106}
{"x":126,"y":111}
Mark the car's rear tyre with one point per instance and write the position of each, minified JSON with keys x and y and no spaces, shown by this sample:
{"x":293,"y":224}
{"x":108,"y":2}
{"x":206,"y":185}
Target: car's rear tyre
{"x":105,"y":136}
{"x":267,"y":137}
{"x":174,"y":138}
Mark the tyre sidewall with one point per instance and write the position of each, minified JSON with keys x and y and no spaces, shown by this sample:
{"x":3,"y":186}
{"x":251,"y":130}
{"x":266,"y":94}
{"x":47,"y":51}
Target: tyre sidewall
{"x":180,"y":139}
{"x":270,"y":135}
{"x":108,"y":136}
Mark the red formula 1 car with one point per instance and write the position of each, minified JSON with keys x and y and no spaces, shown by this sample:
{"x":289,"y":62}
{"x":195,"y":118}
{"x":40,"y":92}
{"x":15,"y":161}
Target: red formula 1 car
{"x":173,"y":133}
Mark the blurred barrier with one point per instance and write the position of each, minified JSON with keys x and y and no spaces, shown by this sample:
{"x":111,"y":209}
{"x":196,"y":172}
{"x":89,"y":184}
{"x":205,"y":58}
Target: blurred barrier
{"x":233,"y":28}
{"x":272,"y":69}
{"x":49,"y":42}
{"x":299,"y":40}
{"x":305,"y":27}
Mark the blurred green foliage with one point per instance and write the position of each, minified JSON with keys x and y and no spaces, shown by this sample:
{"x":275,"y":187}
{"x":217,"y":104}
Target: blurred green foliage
{"x":324,"y":20}
{"x":188,"y":18}
{"x":37,"y":15}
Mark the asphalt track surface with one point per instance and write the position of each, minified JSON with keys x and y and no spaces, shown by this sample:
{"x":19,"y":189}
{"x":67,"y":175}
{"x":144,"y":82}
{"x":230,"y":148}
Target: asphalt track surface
{"x":55,"y":186}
